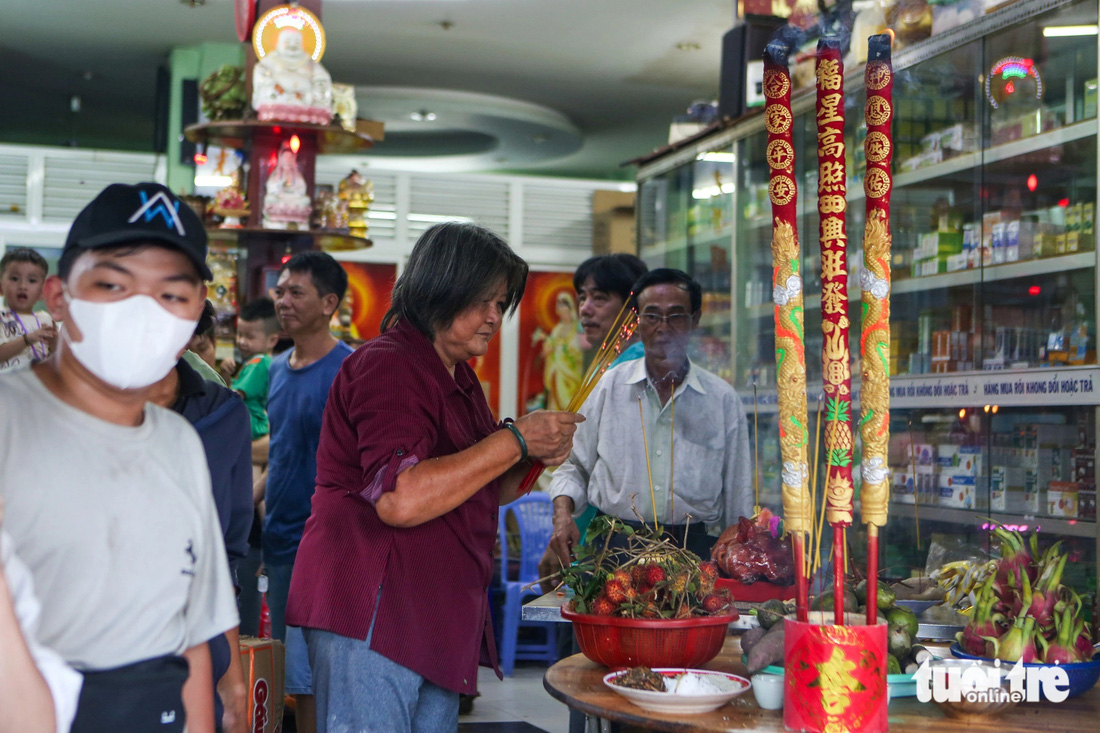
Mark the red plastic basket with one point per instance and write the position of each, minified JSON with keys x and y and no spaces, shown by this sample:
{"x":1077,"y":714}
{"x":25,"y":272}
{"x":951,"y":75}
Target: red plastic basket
{"x":632,"y":642}
{"x":757,"y":592}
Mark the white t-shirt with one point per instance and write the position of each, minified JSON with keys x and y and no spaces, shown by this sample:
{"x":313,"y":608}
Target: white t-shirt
{"x":64,"y":682}
{"x":117,"y":525}
{"x":12,"y":327}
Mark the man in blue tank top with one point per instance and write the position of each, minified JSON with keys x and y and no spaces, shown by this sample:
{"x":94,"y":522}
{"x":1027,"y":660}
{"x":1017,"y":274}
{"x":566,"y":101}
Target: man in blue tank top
{"x":309,"y":290}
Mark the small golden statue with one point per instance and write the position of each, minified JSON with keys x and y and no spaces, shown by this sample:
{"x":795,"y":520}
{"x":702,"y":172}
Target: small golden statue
{"x":358,"y":192}
{"x":230,"y":203}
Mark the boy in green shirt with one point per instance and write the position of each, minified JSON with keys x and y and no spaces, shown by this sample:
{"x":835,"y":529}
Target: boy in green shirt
{"x":257,"y":334}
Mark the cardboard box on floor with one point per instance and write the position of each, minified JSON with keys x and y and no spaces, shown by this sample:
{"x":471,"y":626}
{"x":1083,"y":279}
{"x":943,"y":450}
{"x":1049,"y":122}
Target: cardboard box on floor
{"x":613,"y":222}
{"x":264,"y":662}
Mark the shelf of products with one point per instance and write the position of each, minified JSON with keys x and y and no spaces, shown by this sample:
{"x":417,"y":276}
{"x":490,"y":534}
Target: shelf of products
{"x":1026,"y":523}
{"x":994,"y":272}
{"x":331,"y":139}
{"x":328,"y":241}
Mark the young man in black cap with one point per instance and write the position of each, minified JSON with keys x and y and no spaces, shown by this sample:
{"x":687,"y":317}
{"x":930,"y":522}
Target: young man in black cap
{"x":107,"y":496}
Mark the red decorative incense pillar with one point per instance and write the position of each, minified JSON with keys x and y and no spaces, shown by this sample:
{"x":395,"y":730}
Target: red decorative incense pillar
{"x":835,"y":366}
{"x":790,"y":347}
{"x":874,"y":281}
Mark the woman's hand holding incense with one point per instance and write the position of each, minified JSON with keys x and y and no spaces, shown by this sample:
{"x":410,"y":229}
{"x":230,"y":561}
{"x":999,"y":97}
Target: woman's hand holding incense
{"x":549,"y":435}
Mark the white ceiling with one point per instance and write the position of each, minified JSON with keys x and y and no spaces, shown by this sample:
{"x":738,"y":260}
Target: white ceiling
{"x":609,"y":69}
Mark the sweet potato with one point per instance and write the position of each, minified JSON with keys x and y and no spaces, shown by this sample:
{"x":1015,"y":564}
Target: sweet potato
{"x":750,"y":637}
{"x":769,"y":650}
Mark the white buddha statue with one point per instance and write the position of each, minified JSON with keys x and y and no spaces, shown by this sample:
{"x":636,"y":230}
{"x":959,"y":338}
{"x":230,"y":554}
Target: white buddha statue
{"x":286,"y":198}
{"x":289,"y":86}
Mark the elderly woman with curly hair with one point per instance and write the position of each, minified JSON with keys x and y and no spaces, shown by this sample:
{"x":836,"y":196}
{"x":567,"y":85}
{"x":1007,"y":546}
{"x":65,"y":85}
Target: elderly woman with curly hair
{"x":391,"y":579}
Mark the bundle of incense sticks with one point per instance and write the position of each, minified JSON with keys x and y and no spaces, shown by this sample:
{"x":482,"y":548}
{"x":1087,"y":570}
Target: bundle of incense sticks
{"x":790,"y":349}
{"x":622,"y":330}
{"x":835,"y":366}
{"x":874,"y":281}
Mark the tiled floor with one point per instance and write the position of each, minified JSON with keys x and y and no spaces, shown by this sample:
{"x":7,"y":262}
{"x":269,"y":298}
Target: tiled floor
{"x":519,"y":698}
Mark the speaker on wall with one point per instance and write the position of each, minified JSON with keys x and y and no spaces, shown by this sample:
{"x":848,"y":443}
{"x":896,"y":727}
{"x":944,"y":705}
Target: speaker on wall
{"x":189,"y":115}
{"x":742,"y":46}
{"x":160,"y":110}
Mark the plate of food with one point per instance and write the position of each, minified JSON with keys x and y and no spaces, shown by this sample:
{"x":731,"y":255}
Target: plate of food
{"x":677,"y":690}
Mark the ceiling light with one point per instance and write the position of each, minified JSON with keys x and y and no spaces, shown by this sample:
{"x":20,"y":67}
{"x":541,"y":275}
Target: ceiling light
{"x":718,"y":157}
{"x":422,"y":116}
{"x":688,"y":46}
{"x":1066,"y":31}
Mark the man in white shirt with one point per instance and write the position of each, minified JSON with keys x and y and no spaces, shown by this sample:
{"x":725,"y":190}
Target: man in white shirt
{"x":667,"y":404}
{"x":106,"y":496}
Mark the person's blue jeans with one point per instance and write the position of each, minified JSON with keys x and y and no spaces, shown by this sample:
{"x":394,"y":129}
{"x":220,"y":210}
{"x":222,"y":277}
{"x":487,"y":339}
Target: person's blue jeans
{"x":360,"y":691}
{"x":299,"y":680}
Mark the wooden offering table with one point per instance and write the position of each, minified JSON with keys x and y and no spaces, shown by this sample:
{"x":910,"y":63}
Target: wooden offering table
{"x":578,"y":683}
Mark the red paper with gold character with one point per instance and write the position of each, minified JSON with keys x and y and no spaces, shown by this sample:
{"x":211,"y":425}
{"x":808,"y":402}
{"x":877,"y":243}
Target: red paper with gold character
{"x":875,"y":284}
{"x":835,"y":358}
{"x":835,"y":678}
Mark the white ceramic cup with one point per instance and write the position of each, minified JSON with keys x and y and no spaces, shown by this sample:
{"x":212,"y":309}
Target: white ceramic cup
{"x":768,"y":690}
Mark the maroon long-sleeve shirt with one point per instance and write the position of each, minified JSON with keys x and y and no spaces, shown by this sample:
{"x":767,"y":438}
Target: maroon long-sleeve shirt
{"x":393,"y":404}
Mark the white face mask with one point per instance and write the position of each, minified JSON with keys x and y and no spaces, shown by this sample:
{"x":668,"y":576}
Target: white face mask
{"x":129,"y":343}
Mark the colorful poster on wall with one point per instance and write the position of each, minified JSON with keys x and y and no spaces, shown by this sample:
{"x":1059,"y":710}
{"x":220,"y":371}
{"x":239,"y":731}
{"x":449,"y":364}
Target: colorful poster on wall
{"x":551,"y":364}
{"x":367,"y":300}
{"x":487,"y":369}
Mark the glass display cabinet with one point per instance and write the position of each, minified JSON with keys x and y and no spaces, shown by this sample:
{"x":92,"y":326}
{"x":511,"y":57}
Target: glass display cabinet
{"x":995,"y":384}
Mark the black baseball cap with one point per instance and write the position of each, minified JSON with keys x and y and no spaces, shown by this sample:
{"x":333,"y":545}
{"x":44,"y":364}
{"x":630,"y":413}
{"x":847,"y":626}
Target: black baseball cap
{"x":146,"y":212}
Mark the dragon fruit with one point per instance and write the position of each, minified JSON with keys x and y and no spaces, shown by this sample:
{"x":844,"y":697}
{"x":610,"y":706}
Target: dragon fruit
{"x":1018,"y":643}
{"x":1045,"y":594}
{"x":1061,"y":649}
{"x":1015,"y":559}
{"x":984,"y":623}
{"x":1083,"y":641}
{"x":1026,"y":591}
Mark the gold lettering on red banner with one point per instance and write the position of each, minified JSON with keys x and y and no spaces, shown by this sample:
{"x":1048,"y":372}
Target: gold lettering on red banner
{"x":830,"y":177}
{"x":781,"y":190}
{"x":831,"y":204}
{"x":833,"y":298}
{"x":877,"y":110}
{"x":830,"y":144}
{"x":780,"y":155}
{"x":832,"y":228}
{"x":776,"y":84}
{"x":777,"y":119}
{"x":828,"y":74}
{"x":878,"y":75}
{"x":829,"y":110}
{"x":877,"y":183}
{"x":832,"y":264}
{"x":877,"y":147}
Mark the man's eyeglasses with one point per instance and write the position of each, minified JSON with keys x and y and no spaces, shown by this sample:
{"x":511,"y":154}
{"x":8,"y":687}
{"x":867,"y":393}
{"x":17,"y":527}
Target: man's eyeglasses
{"x":675,"y":321}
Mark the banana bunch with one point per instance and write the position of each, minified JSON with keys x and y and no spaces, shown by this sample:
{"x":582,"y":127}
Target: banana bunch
{"x":960,"y":580}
